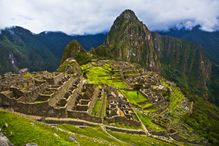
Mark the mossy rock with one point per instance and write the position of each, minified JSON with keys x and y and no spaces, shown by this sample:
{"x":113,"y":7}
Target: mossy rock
{"x":76,"y":51}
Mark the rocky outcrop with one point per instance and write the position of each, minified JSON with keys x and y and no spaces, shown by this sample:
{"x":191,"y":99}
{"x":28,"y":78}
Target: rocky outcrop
{"x":76,"y":51}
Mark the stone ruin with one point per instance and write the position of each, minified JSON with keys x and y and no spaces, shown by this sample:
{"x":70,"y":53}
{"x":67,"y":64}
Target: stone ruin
{"x":49,"y":95}
{"x":41,"y":94}
{"x":119,"y":109}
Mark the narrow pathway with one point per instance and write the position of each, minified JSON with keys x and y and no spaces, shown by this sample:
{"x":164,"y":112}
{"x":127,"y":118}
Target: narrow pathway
{"x":142,"y":124}
{"x":104,"y":130}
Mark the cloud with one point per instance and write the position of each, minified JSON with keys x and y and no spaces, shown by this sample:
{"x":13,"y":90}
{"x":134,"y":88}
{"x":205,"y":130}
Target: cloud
{"x":86,"y":16}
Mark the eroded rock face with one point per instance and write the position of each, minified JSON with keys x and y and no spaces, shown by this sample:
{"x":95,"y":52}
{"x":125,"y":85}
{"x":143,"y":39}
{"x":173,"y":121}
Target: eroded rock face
{"x":130,"y":40}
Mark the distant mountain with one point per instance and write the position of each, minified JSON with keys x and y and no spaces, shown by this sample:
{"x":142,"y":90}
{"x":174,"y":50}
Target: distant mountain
{"x":20,"y":48}
{"x":90,"y":41}
{"x":57,"y":41}
{"x":207,"y":40}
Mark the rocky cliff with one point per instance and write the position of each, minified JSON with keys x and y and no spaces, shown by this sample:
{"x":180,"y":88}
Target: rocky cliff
{"x":183,"y":62}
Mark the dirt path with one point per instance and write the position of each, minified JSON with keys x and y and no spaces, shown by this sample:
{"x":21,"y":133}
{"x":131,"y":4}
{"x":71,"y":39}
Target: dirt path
{"x":104,"y":130}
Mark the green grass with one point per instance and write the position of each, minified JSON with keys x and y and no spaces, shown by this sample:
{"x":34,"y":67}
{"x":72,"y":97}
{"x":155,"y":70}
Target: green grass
{"x":103,"y":107}
{"x":150,"y":110}
{"x":176,"y":97}
{"x":101,"y":74}
{"x":147,"y":105}
{"x":96,"y":109}
{"x":135,"y":97}
{"x":204,"y":120}
{"x":91,"y":135}
{"x":21,"y":131}
{"x":125,"y":126}
{"x":148,"y":123}
{"x":138,"y":140}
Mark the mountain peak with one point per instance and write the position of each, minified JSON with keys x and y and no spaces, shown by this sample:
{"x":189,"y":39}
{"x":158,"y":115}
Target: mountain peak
{"x":129,"y":39}
{"x":127,"y":15}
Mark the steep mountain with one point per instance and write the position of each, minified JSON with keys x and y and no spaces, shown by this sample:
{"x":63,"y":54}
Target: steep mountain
{"x":130,"y":40}
{"x":208,"y":40}
{"x":180,"y":61}
{"x":20,"y":48}
{"x":184,"y":63}
{"x":76,"y":51}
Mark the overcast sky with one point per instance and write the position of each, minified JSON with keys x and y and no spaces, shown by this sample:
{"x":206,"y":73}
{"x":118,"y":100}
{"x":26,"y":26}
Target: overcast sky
{"x":93,"y":16}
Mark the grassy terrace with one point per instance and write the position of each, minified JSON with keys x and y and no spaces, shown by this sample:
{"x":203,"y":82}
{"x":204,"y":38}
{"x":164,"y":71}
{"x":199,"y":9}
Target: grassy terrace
{"x":96,"y":109}
{"x":21,"y":131}
{"x":127,"y":139}
{"x":148,"y":122}
{"x":92,"y":136}
{"x":99,"y":109}
{"x":138,"y":140}
{"x":103,"y":74}
{"x":176,"y":97}
{"x":136,"y":98}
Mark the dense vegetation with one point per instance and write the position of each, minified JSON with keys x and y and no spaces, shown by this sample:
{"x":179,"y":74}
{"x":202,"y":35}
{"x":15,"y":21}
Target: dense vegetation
{"x":208,"y":40}
{"x":76,"y":51}
{"x":204,"y":119}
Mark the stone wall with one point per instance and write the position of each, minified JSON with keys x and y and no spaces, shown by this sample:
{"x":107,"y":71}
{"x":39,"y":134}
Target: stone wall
{"x":123,"y":120}
{"x":67,"y":121}
{"x":44,"y":97}
{"x":28,"y":96}
{"x":56,"y":79}
{"x":93,"y":99}
{"x":38,"y":108}
{"x":84,"y":116}
{"x":61,"y":92}
{"x":71,"y":100}
{"x":125,"y":130}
